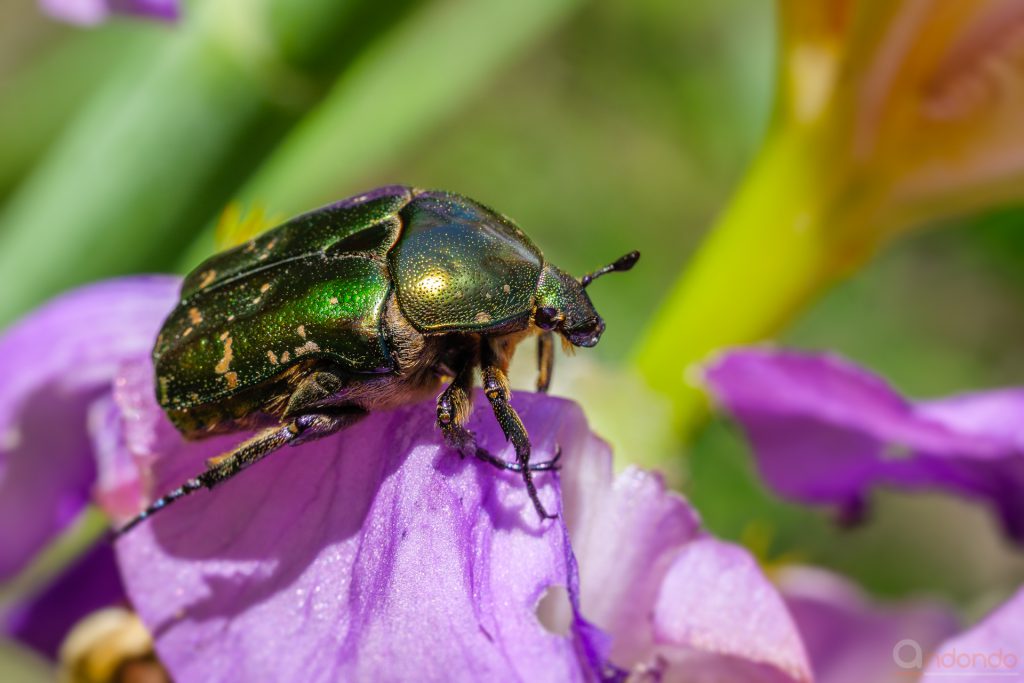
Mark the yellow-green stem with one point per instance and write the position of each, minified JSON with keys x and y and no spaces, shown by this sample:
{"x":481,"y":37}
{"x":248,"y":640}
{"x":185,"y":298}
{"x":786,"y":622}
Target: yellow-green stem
{"x":87,"y":529}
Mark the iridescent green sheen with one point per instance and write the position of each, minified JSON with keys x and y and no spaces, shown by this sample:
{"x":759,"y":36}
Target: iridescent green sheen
{"x":312,"y":287}
{"x":241,"y":335}
{"x":560,"y":291}
{"x":459,"y":265}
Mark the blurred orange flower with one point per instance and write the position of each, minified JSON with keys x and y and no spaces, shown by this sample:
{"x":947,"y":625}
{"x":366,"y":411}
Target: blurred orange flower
{"x":919,"y":101}
{"x":888,"y":115}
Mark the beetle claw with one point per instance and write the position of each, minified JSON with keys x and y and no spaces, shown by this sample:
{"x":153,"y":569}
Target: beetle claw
{"x":539,"y":506}
{"x":552,"y":465}
{"x":484,"y":455}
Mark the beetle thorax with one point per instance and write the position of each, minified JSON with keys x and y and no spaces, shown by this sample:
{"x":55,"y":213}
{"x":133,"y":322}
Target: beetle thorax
{"x":563,"y":306}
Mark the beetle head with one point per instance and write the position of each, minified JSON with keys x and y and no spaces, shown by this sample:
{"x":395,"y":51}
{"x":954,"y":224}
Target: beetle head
{"x":563,"y":304}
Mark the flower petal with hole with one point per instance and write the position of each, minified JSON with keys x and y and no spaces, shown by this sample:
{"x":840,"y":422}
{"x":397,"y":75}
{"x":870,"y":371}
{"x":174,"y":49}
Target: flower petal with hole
{"x":676,"y":603}
{"x":376,"y":554}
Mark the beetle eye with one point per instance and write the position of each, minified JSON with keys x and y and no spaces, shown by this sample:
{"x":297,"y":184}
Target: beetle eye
{"x":547,"y":318}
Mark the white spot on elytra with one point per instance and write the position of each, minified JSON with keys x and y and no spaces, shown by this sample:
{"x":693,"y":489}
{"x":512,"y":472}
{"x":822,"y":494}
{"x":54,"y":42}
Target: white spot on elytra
{"x":225,"y":362}
{"x":308,"y":347}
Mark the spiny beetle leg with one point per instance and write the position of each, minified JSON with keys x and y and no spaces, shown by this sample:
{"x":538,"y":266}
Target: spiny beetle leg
{"x":545,"y":360}
{"x":464,"y":443}
{"x":496,"y":388}
{"x":453,"y":406}
{"x":299,"y":430}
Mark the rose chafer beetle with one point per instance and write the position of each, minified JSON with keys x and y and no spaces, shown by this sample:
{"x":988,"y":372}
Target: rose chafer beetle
{"x":363,"y":305}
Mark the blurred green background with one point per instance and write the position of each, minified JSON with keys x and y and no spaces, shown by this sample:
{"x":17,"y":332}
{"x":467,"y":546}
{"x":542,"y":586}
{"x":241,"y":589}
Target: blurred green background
{"x":599,"y":126}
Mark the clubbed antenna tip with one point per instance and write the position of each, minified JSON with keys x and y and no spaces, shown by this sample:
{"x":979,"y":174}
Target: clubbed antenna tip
{"x":620,"y":266}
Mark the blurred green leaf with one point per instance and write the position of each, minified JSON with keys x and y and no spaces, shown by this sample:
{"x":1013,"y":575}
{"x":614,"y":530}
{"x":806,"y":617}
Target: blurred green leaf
{"x":37,"y":101}
{"x":20,"y":665}
{"x":394,"y":94}
{"x":163,"y":145}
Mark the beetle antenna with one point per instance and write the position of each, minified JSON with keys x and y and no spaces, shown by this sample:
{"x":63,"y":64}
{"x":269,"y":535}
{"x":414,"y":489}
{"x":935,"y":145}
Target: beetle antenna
{"x":620,"y":266}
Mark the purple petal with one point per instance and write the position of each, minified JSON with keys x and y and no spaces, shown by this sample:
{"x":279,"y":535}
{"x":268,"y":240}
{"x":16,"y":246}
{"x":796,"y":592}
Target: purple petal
{"x":991,"y":651}
{"x":374,"y":555}
{"x":625,"y":531}
{"x":987,"y":416}
{"x":54,"y":364}
{"x":826,"y":431}
{"x":674,"y":601}
{"x":90,"y":584}
{"x":851,"y":640}
{"x":717,"y":617}
{"x":91,"y":12}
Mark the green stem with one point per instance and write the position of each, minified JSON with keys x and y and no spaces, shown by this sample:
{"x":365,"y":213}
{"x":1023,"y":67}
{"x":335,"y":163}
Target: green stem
{"x":61,"y":553}
{"x":774,"y":248}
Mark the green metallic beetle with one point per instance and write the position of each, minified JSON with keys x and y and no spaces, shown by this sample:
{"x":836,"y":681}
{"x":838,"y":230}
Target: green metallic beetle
{"x":363,"y":305}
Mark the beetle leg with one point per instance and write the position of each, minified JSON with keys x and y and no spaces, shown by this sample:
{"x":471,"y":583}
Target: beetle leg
{"x":496,"y":387}
{"x":313,"y":390}
{"x":552,"y":465}
{"x":453,"y":409}
{"x":296,"y":431}
{"x":545,"y":360}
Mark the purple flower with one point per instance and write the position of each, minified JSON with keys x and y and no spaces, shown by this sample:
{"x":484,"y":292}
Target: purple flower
{"x":379,"y":553}
{"x":376,"y":555}
{"x":851,"y":639}
{"x":55,"y":364}
{"x":91,"y":12}
{"x":826,"y":431}
{"x":675,"y":601}
{"x":991,"y":651}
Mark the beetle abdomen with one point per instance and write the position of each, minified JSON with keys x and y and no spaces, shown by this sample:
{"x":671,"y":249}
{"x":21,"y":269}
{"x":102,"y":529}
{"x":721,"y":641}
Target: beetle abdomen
{"x":459,"y":266}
